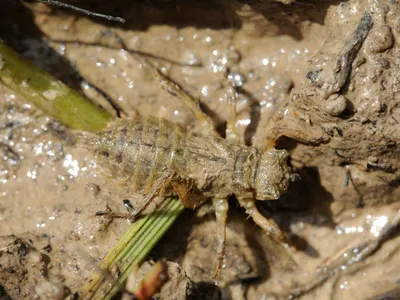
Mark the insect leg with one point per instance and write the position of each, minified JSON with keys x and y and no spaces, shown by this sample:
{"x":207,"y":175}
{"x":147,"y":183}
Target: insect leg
{"x":231,"y":133}
{"x":285,"y":122}
{"x":269,"y":226}
{"x":221,"y":210}
{"x":183,"y":190}
{"x":175,"y":90}
{"x":158,"y":186}
{"x":301,"y":136}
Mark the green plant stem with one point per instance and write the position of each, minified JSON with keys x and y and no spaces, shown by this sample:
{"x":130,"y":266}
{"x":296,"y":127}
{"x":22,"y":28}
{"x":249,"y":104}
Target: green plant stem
{"x":49,"y":94}
{"x":131,"y":250}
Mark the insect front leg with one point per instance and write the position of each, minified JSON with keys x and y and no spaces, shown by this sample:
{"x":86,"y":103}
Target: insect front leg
{"x":269,"y":226}
{"x":157,"y":187}
{"x":221,"y":211}
{"x":300,"y":135}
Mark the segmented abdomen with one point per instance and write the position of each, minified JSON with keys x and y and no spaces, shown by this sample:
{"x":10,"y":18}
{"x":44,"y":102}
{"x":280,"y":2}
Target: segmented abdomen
{"x":141,"y":149}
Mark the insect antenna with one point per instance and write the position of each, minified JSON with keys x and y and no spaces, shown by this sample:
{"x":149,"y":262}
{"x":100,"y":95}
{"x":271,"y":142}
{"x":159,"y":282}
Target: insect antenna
{"x":83,"y":11}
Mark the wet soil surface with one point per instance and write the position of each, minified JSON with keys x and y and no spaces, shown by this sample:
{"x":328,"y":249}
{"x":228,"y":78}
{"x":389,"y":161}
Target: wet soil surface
{"x":324,"y":74}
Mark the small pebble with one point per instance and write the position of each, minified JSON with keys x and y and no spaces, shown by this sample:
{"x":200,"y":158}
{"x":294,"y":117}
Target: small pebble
{"x":233,"y":55}
{"x":379,"y":40}
{"x":359,"y":61}
{"x":49,"y":290}
{"x":383,"y":63}
{"x":335,"y":105}
{"x":128,"y":205}
{"x":35,"y":257}
{"x":92,"y":189}
{"x":372,"y":159}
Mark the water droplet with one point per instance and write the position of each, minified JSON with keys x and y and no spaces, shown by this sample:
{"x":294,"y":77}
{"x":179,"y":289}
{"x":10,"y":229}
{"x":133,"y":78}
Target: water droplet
{"x":236,"y":78}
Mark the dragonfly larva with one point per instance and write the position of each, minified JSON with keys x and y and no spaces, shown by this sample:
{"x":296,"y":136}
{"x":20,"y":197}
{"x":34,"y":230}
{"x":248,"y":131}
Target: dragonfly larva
{"x":158,"y":157}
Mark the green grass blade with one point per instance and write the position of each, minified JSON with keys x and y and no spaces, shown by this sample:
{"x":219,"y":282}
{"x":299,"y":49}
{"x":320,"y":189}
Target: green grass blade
{"x":131,"y":250}
{"x":49,"y":94}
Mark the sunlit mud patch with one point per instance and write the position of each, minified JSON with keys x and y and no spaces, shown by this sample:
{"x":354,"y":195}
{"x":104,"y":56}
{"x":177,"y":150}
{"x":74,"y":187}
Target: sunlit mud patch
{"x":364,"y":241}
{"x":50,"y":188}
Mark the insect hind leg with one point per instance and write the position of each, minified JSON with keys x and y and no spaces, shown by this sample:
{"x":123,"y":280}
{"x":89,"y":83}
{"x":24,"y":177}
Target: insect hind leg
{"x":175,"y":90}
{"x":221,"y":211}
{"x":157,"y":187}
{"x":231,"y":99}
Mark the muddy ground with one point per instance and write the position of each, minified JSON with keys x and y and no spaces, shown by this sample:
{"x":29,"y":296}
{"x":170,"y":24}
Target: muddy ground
{"x":325,"y":74}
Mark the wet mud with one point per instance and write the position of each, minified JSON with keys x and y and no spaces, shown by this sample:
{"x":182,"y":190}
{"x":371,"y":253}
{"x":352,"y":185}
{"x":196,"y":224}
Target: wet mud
{"x":318,"y":78}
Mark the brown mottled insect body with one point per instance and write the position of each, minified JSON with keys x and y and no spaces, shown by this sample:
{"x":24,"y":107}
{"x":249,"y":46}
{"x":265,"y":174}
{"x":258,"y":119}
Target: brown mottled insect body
{"x":145,"y":149}
{"x":158,"y":157}
{"x":140,"y":150}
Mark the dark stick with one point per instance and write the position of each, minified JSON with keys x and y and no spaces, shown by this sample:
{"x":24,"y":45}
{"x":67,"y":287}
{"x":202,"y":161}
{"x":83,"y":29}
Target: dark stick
{"x":81,"y":10}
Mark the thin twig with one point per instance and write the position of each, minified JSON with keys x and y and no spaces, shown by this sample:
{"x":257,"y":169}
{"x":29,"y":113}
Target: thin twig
{"x":83,"y":11}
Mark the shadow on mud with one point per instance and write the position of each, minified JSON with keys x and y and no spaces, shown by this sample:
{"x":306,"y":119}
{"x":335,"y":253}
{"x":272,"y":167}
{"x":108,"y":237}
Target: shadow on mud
{"x":140,"y":15}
